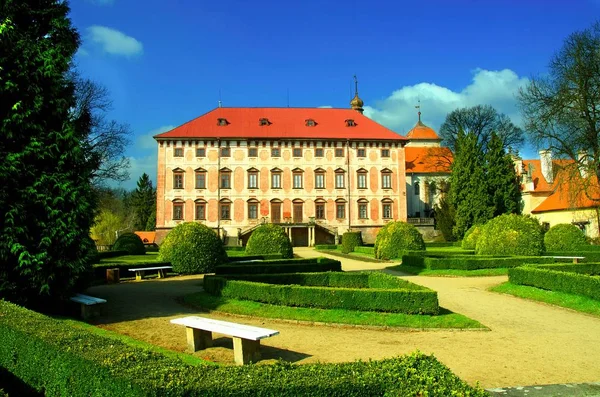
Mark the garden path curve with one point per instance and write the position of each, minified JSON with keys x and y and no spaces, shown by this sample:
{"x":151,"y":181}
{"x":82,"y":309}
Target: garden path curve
{"x":529,"y":343}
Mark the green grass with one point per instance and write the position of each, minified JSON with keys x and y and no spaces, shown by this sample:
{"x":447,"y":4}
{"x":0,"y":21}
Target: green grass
{"x":562,"y":299}
{"x":501,"y":271}
{"x":446,"y":318}
{"x":235,"y":253}
{"x":351,"y":255}
{"x":186,"y":358}
{"x":149,"y":257}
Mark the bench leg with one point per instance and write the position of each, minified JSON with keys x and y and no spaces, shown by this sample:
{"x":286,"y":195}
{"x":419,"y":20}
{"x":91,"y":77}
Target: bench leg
{"x":246,"y":351}
{"x":139,"y":275}
{"x":575,"y":260}
{"x":86,"y":311}
{"x":198,"y":339}
{"x":161,"y":273}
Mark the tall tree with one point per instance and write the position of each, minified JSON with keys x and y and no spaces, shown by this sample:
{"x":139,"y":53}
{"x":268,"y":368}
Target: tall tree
{"x":481,"y":121}
{"x":501,"y":178}
{"x":468,"y":191}
{"x":144,"y":202}
{"x":445,"y":214}
{"x":46,"y":201}
{"x":562,"y":109}
{"x":103,"y":139}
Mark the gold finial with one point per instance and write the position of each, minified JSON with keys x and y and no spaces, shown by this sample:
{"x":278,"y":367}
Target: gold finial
{"x":356,"y":103}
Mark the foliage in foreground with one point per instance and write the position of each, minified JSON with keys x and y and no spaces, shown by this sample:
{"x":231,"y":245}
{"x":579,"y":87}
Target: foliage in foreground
{"x":396,"y":237}
{"x":269,"y":239}
{"x":192,"y":248}
{"x":511,"y":235}
{"x":113,"y":368}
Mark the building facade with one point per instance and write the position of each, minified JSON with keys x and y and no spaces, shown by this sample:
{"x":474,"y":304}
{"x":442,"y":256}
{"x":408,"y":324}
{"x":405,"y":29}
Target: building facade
{"x":317,"y":172}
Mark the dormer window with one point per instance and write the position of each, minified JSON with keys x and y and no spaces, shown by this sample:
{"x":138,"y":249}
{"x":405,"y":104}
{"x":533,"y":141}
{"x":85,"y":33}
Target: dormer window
{"x":221,"y":122}
{"x":350,"y":123}
{"x":264,"y":121}
{"x":310,"y":122}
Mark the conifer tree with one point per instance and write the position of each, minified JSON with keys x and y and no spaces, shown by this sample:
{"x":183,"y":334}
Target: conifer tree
{"x":46,"y":201}
{"x":144,"y":202}
{"x":501,"y":177}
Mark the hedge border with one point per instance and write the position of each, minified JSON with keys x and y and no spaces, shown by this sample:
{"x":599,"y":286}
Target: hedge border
{"x":471,"y":262}
{"x":63,"y":360}
{"x":281,"y":266}
{"x":382,"y":293}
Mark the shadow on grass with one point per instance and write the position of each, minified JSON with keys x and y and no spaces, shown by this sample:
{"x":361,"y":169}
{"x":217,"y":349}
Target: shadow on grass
{"x":267,"y":352}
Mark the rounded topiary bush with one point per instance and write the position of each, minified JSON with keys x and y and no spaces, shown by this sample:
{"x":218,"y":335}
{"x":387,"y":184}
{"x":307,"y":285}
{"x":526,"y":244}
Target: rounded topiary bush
{"x":511,"y":235}
{"x":130,"y":242}
{"x":269,"y":239}
{"x":351,"y":240}
{"x":564,"y":237}
{"x":471,"y":236}
{"x":192,"y":248}
{"x":396,"y":237}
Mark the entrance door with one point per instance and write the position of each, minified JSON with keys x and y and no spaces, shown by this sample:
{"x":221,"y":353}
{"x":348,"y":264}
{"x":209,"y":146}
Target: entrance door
{"x":276,"y":212}
{"x":298,"y":213}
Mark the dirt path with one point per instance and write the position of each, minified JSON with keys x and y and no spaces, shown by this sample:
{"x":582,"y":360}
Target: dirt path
{"x":529,"y":343}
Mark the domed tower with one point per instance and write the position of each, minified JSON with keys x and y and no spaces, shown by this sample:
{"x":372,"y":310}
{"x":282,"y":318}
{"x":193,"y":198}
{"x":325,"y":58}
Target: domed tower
{"x":422,"y":135}
{"x":356,"y":103}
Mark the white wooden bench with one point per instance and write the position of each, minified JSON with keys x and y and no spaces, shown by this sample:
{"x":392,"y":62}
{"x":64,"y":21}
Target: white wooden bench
{"x":575,"y":259}
{"x":88,"y":303}
{"x":246,"y":338}
{"x":139,"y":272}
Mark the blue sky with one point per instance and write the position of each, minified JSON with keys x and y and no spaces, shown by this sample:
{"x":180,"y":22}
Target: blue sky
{"x":167,"y":61}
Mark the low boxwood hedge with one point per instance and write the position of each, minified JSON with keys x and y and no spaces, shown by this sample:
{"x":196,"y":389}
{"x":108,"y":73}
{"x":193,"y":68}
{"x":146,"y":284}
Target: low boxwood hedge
{"x":350,"y":240}
{"x":470,"y":262}
{"x":590,"y":256}
{"x":591,"y":269}
{"x":100,"y":268}
{"x":60,"y":360}
{"x":369,"y":292}
{"x":235,"y":248}
{"x":572,"y":282}
{"x":242,"y":258}
{"x":365,"y":250}
{"x":281,"y":266}
{"x":325,"y":246}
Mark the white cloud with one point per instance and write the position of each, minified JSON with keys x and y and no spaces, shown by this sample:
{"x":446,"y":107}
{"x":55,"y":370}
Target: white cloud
{"x":146,"y":142}
{"x":101,"y":2}
{"x":325,"y":107}
{"x":115,"y":42}
{"x":497,"y":88}
{"x":139,"y":165}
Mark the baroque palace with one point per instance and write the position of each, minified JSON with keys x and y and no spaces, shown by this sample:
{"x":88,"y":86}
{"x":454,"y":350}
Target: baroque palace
{"x":318,"y":172}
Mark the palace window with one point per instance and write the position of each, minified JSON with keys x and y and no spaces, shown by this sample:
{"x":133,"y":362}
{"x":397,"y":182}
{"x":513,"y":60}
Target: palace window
{"x":340,"y":175}
{"x":385,"y":152}
{"x":225,"y":151}
{"x":363,"y":209}
{"x":339,"y":152}
{"x":319,"y":152}
{"x":252,"y":178}
{"x":361,"y":153}
{"x":319,"y":178}
{"x":340,"y":210}
{"x":225,"y":178}
{"x":253,"y":209}
{"x":275,"y":152}
{"x":200,"y":178}
{"x":177,"y":210}
{"x":417,"y":189}
{"x":276,"y":179}
{"x":225,"y":209}
{"x":387,"y":209}
{"x":200,"y":210}
{"x":297,"y":152}
{"x":361,"y":176}
{"x":297,"y":178}
{"x":178,"y":152}
{"x":252,"y":152}
{"x":320,"y":210}
{"x":200,"y":152}
{"x":386,"y":179}
{"x":178,"y":178}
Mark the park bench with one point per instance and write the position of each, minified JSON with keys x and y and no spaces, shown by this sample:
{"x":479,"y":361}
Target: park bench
{"x":575,"y":259}
{"x":246,"y":338}
{"x":139,"y":272}
{"x":88,"y":304}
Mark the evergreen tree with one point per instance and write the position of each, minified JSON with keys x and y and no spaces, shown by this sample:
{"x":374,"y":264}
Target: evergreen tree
{"x":445,"y":215}
{"x":46,"y":201}
{"x":144,"y":202}
{"x":468,"y":192}
{"x":503,"y":186}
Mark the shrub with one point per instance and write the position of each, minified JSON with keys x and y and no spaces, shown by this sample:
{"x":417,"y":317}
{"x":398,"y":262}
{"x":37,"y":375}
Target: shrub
{"x":351,"y":240}
{"x":365,"y":250}
{"x":269,"y":239}
{"x":564,"y":237}
{"x":572,"y":282}
{"x":511,"y":235}
{"x":130,"y":242}
{"x":281,"y":266}
{"x":396,"y":237}
{"x":351,"y":291}
{"x":62,"y":360}
{"x":319,"y":247}
{"x":471,"y":236}
{"x":192,"y":248}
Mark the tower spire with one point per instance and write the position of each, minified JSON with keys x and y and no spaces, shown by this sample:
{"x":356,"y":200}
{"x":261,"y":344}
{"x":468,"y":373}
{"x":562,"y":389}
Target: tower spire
{"x":356,"y":103}
{"x":355,"y":86}
{"x":419,"y":107}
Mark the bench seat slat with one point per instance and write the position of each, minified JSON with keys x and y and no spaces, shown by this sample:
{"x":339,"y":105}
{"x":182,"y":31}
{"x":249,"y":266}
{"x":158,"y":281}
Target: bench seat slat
{"x":87,"y":300}
{"x":150,"y":268}
{"x":226,"y":328}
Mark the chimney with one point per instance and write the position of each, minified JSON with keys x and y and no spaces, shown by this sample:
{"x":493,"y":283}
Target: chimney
{"x":583,"y":163}
{"x":546,"y":161}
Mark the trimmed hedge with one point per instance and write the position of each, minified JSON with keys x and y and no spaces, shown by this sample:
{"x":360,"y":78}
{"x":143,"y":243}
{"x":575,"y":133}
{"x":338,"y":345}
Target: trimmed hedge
{"x":590,"y":256}
{"x":325,"y":246}
{"x":192,"y":248}
{"x":591,"y":269}
{"x":375,"y":292}
{"x":281,"y":266}
{"x":269,"y":239}
{"x":350,"y":240}
{"x":440,"y":244}
{"x":365,"y":250}
{"x":396,"y":237}
{"x":100,"y":268}
{"x":235,"y":248}
{"x":61,"y":360}
{"x":470,"y":262}
{"x":254,"y":257}
{"x":565,"y":237}
{"x":572,"y":282}
{"x":511,"y":234}
{"x":469,"y":241}
{"x":130,"y":242}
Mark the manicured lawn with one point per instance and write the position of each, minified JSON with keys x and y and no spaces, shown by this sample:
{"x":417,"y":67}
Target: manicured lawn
{"x":501,"y":271}
{"x":351,"y":255}
{"x":235,"y":253}
{"x":149,"y":257}
{"x":562,"y":299}
{"x":186,"y":358}
{"x":446,"y":318}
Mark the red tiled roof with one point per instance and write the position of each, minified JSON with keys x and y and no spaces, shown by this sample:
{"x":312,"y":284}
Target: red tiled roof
{"x":540,"y":185}
{"x":286,"y":123}
{"x":568,"y":195}
{"x":427,"y":159}
{"x":421,"y":131}
{"x":147,"y":237}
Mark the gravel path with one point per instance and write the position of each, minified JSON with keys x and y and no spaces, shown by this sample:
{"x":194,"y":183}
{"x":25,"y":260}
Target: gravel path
{"x":529,"y":343}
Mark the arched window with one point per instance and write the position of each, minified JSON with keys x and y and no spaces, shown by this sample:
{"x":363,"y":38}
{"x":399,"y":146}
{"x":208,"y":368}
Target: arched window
{"x":363,"y":209}
{"x":417,"y":188}
{"x":386,"y":205}
{"x":178,"y":209}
